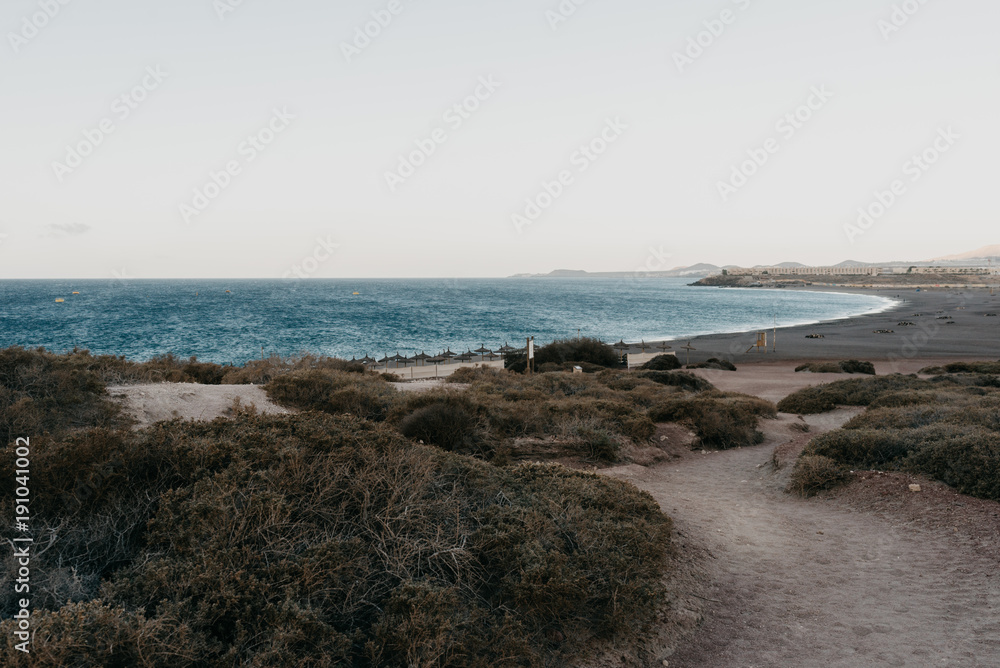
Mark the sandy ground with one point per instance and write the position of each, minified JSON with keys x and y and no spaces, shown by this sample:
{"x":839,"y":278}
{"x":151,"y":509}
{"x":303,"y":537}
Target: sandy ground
{"x":166,"y":401}
{"x":873,"y":575}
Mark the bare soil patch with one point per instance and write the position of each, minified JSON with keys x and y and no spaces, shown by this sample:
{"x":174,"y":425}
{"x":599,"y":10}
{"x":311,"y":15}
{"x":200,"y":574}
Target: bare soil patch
{"x":189,"y":401}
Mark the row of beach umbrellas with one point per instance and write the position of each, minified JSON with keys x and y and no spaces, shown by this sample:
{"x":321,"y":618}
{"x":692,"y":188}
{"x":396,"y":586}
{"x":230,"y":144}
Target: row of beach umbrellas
{"x":480,"y":354}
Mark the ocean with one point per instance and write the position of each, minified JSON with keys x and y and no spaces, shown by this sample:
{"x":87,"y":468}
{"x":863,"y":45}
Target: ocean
{"x":229,"y":321}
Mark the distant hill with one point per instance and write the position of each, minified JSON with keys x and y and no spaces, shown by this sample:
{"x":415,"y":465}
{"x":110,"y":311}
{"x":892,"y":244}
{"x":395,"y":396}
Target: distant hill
{"x":984,"y":252}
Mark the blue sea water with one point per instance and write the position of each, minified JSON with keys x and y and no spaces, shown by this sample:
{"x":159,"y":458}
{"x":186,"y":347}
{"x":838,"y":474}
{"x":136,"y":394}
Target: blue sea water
{"x":228,"y":321}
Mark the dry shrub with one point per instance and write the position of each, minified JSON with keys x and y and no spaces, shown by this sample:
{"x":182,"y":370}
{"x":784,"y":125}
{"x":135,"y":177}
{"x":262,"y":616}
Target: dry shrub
{"x":319,"y":540}
{"x":663,"y":363}
{"x":952,"y":436}
{"x":814,"y":473}
{"x":714,"y":363}
{"x":964,"y":367}
{"x":41,"y":392}
{"x":330,"y":391}
{"x":564,"y":354}
{"x":445,"y":424}
{"x":720,"y":419}
{"x":682,"y":379}
{"x":851,"y":392}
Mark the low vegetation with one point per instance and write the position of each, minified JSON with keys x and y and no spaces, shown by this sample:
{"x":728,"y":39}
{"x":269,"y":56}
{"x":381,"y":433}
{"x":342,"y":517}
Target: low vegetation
{"x":329,"y":538}
{"x":846,"y":366}
{"x":947,"y":429}
{"x":663,"y":363}
{"x":720,"y":419}
{"x":850,"y":392}
{"x":714,"y":363}
{"x":321,"y":540}
{"x":964,"y":367}
{"x":590,"y":354}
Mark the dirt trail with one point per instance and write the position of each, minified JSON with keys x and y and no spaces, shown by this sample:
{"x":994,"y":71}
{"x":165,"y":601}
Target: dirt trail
{"x":802,"y":583}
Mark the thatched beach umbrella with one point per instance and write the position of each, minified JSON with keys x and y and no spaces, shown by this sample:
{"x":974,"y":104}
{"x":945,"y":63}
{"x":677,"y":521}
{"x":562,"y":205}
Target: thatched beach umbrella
{"x":465,"y":357}
{"x":482,"y":350}
{"x":422,"y":357}
{"x":397,"y":358}
{"x":664,"y":347}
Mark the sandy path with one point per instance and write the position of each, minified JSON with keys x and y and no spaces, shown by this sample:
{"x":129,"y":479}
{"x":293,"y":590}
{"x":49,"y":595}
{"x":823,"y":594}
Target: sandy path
{"x":814,"y":583}
{"x":166,"y":401}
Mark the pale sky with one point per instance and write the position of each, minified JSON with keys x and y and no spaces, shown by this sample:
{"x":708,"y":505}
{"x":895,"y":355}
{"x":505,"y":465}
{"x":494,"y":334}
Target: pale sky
{"x":331,"y":121}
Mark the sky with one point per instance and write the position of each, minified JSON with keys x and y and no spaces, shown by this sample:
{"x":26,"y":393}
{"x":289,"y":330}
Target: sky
{"x":439,"y":138}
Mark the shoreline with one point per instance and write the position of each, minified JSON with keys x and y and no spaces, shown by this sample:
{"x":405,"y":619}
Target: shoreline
{"x":973,"y":335}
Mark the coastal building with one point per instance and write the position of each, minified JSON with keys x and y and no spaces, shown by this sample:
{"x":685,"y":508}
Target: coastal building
{"x":859,"y":271}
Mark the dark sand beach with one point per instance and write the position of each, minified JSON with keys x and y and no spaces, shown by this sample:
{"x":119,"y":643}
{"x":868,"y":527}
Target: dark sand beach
{"x":973,"y":334}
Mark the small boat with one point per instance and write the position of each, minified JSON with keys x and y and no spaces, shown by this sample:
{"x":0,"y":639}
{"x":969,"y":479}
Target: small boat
{"x":356,"y":293}
{"x":60,"y":301}
{"x":76,"y":293}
